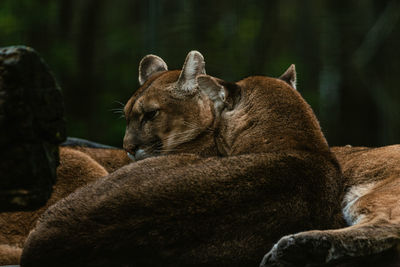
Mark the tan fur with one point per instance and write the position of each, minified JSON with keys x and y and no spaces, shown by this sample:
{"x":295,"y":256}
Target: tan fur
{"x":371,"y":206}
{"x":10,"y":254}
{"x":273,"y":174}
{"x":76,"y":169}
{"x":109,"y":159}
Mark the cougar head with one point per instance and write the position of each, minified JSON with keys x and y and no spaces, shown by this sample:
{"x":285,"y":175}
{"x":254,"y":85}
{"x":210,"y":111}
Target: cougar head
{"x":171,"y":109}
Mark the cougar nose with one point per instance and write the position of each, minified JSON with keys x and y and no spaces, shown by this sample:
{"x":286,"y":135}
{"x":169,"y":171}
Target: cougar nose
{"x":130,"y":148}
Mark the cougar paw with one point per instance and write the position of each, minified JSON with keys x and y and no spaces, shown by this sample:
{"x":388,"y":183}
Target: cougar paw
{"x":297,"y":250}
{"x":281,"y":253}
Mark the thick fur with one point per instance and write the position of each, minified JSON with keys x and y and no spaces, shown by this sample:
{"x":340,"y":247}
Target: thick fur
{"x":276,"y":176}
{"x":371,"y":206}
{"x":76,"y":169}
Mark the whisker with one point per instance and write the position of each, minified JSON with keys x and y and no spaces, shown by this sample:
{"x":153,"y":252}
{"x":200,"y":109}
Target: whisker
{"x":119,"y":103}
{"x":175,"y":139}
{"x":191,"y":124}
{"x":179,"y":138}
{"x":167,"y":151}
{"x":152,"y":148}
{"x":195,"y":125}
{"x":119,"y":110}
{"x":116,"y":110}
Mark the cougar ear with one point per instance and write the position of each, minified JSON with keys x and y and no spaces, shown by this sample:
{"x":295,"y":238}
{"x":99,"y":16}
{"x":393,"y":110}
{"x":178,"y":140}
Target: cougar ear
{"x":290,"y":76}
{"x":210,"y":87}
{"x":193,"y":66}
{"x":149,"y":65}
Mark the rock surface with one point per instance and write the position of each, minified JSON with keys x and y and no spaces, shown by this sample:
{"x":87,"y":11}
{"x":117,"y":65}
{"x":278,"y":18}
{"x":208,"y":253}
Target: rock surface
{"x":32,"y":125}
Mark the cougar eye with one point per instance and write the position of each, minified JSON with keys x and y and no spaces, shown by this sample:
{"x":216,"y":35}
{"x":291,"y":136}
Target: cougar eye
{"x":150,"y":115}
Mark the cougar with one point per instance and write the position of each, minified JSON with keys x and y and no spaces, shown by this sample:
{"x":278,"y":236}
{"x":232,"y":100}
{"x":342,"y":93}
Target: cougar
{"x":272,"y":173}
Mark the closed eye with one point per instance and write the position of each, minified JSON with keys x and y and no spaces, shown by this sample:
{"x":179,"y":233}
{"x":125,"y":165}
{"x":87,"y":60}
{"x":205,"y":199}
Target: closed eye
{"x":150,"y":115}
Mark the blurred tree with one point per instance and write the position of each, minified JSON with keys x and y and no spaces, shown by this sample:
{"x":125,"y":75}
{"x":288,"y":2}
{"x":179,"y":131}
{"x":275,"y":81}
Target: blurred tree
{"x":346,"y":54}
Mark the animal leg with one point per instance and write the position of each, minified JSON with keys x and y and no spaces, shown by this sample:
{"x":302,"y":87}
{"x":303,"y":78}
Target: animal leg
{"x":333,"y":246}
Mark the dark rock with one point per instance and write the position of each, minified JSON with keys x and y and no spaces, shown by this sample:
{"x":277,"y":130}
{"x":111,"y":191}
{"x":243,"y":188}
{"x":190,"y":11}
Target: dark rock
{"x":32,"y":125}
{"x":74,"y":141}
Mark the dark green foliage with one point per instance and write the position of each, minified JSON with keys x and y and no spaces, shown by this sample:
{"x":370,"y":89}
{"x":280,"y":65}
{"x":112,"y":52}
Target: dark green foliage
{"x":346,"y":54}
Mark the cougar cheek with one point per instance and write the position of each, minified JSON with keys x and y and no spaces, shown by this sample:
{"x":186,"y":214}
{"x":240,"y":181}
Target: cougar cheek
{"x":128,"y":141}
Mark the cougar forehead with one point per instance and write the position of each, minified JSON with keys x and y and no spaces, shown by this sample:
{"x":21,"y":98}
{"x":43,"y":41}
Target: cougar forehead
{"x":151,"y":89}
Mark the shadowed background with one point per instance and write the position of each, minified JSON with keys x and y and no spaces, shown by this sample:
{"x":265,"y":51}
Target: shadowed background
{"x":347,"y":54}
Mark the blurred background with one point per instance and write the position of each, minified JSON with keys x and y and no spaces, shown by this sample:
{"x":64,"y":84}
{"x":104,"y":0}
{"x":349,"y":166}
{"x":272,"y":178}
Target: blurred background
{"x":347,"y":54}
